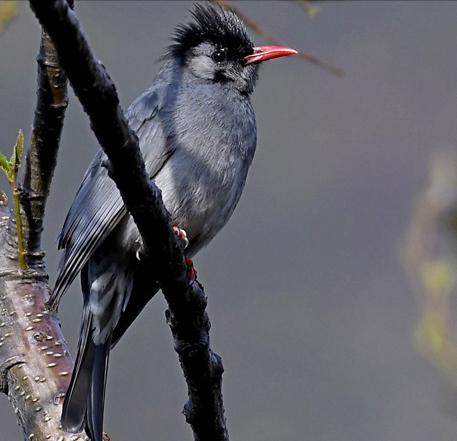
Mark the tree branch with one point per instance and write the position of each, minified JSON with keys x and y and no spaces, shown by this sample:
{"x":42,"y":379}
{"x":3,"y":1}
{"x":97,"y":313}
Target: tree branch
{"x":41,"y":159}
{"x":35,"y":364}
{"x":186,"y":313}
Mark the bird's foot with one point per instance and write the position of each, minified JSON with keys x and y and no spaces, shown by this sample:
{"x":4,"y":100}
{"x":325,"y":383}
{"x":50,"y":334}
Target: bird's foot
{"x":180,"y":233}
{"x":182,"y":236}
{"x":191,"y":271}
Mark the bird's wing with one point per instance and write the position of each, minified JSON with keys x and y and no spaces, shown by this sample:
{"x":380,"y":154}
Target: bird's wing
{"x":98,"y":206}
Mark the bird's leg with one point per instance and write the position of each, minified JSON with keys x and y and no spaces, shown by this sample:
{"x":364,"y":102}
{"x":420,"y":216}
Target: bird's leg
{"x":191,"y":271}
{"x":180,"y":233}
{"x":182,"y":236}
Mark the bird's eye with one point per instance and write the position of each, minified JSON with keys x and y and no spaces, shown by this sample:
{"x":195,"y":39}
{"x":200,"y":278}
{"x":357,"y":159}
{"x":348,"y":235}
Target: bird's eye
{"x":219,"y":55}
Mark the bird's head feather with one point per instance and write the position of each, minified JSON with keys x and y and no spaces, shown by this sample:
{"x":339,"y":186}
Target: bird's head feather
{"x":213,"y":47}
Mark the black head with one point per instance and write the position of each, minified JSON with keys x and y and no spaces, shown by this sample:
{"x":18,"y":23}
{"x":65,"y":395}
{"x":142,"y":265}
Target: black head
{"x":216,"y":25}
{"x":213,"y":47}
{"x":216,"y":47}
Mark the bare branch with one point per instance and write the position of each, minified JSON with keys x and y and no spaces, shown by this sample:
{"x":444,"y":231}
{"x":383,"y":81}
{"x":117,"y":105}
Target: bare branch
{"x":35,"y":364}
{"x":41,"y":159}
{"x":186,"y":314}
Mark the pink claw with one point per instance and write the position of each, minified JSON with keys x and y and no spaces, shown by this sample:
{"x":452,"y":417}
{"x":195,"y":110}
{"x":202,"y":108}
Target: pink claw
{"x":182,"y":235}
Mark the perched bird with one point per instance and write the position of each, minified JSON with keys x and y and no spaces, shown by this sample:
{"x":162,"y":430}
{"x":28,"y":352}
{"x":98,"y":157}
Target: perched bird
{"x":197,"y":133}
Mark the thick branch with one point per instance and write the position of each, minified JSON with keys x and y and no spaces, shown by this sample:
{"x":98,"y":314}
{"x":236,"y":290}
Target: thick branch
{"x":186,"y":315}
{"x":35,"y":365}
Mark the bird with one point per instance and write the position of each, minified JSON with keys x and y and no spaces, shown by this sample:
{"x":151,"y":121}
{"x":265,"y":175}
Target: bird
{"x":197,"y":133}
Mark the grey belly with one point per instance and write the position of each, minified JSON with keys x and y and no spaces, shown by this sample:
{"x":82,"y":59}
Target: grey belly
{"x":199,"y":199}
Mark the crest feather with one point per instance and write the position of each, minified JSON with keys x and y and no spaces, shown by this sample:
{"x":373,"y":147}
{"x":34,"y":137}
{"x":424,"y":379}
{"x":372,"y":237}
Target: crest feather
{"x":214,"y":24}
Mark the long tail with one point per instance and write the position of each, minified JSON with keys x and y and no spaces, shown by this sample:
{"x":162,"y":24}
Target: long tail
{"x":84,"y":401}
{"x":96,"y":398}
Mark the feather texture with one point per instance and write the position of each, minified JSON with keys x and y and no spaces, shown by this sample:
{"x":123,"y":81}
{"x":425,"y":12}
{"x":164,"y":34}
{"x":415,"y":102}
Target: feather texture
{"x":98,"y":208}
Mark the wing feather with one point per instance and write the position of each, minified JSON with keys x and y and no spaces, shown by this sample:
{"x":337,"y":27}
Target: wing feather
{"x":98,"y":206}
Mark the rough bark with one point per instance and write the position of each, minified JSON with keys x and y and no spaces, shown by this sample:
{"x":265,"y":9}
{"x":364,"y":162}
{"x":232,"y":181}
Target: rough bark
{"x":186,"y":313}
{"x":41,"y":158}
{"x":35,"y":364}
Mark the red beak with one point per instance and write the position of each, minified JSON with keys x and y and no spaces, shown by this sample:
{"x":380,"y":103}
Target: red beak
{"x":264,"y":53}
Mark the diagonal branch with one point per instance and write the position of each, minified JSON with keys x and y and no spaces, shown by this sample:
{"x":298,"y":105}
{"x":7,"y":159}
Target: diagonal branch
{"x":186,"y":313}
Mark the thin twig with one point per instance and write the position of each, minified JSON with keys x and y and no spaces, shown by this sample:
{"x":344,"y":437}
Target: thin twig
{"x":20,"y":236}
{"x":269,"y":37}
{"x":10,"y":168}
{"x":186,"y":303}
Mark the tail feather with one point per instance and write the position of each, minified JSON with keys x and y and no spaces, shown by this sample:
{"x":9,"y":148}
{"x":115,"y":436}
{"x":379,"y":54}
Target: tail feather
{"x":84,"y":401}
{"x":96,"y":398}
{"x":75,"y":403}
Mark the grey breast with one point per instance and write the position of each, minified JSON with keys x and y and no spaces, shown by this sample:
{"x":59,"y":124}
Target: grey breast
{"x":214,"y":139}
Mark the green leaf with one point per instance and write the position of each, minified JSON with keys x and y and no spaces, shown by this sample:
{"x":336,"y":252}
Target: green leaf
{"x":19,"y":149}
{"x":5,"y":165}
{"x":11,"y":166}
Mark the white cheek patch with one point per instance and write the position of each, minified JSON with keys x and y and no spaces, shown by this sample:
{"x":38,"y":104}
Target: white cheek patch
{"x":202,"y":66}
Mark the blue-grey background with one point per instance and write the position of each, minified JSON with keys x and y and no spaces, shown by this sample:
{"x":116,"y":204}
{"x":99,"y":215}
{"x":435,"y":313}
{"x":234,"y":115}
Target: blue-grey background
{"x":310,"y":306}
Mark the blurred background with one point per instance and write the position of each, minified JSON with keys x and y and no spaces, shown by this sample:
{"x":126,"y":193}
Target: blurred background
{"x":312,"y":309}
